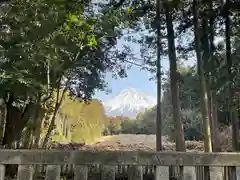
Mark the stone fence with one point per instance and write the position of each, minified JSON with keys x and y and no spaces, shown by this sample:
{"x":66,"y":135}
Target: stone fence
{"x":133,"y":165}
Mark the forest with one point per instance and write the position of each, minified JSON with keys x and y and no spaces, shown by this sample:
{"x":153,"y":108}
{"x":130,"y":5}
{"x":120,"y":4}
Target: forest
{"x":55,"y":55}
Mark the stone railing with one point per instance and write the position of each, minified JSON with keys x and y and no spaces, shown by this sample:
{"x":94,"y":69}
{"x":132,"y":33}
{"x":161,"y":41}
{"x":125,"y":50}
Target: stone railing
{"x":191,"y":165}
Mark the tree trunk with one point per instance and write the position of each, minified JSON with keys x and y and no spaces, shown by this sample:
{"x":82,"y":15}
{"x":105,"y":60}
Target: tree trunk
{"x":203,"y":85}
{"x":210,"y":107}
{"x":179,"y":133}
{"x":15,"y":122}
{"x":159,"y":113}
{"x":212,"y":93}
{"x":27,"y":138}
{"x":2,"y":118}
{"x":215,"y":131}
{"x":37,"y":133}
{"x":12,"y":117}
{"x":38,"y":118}
{"x":232,"y":109}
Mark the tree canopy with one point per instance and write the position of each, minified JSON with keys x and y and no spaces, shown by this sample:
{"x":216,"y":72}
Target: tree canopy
{"x":52,"y":48}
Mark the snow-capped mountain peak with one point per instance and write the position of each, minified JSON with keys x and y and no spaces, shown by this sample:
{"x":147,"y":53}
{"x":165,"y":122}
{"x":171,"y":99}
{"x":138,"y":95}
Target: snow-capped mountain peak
{"x":129,"y":103}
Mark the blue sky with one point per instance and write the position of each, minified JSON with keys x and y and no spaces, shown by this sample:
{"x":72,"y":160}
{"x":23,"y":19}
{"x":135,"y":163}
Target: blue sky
{"x":137,"y":78}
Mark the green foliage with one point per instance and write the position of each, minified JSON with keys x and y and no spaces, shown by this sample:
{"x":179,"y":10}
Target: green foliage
{"x":131,"y":126}
{"x":147,"y":121}
{"x":50,"y":45}
{"x":192,"y":121}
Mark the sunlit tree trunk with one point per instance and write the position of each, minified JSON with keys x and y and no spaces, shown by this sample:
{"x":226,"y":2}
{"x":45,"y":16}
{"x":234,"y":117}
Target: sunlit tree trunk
{"x":212,"y":92}
{"x":202,"y":54}
{"x":203,"y":85}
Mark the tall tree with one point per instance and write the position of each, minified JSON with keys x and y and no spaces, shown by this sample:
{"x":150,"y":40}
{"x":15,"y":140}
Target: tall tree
{"x":212,"y":94}
{"x":202,"y":80}
{"x":180,"y":143}
{"x":159,"y":77}
{"x":232,"y":110}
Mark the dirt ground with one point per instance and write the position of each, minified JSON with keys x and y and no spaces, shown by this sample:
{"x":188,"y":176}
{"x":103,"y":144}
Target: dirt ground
{"x":131,"y":142}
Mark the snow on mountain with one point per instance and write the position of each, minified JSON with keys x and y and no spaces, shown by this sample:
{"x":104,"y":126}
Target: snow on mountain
{"x":129,"y":103}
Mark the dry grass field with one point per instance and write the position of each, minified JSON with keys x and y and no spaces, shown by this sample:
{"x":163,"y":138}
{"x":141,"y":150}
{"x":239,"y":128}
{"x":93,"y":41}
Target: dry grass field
{"x":131,"y":142}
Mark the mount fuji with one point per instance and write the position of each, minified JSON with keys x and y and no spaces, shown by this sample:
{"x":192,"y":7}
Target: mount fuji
{"x":129,"y":103}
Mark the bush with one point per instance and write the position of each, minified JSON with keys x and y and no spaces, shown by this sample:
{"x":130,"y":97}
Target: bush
{"x":191,"y":119}
{"x":192,"y":122}
{"x":130,"y":127}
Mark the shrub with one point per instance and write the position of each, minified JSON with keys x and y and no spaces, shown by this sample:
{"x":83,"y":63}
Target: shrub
{"x":130,"y":127}
{"x":191,"y":120}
